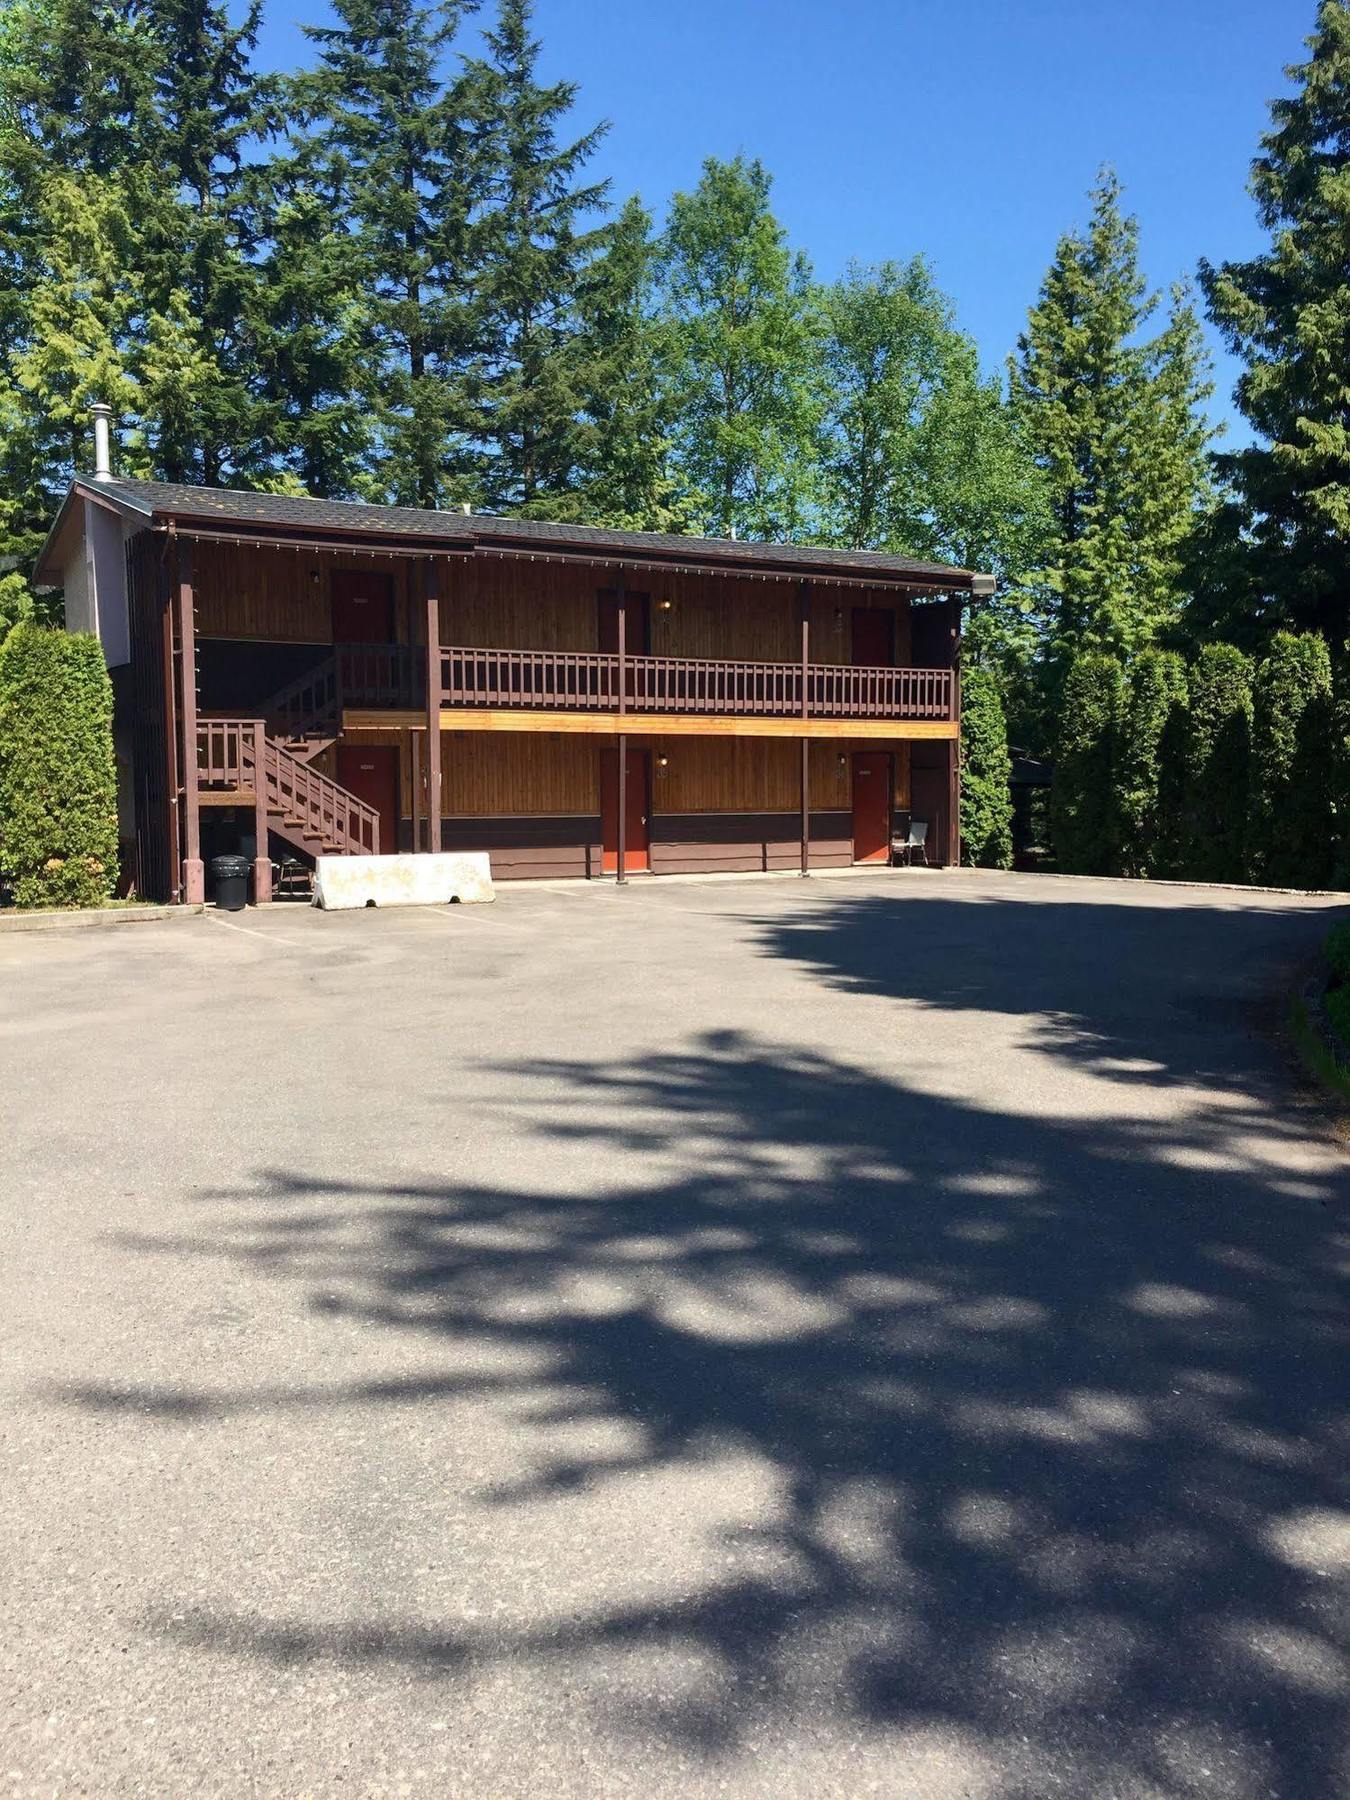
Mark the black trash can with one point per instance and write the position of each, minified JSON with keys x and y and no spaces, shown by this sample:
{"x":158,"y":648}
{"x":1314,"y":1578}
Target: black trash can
{"x":230,"y":874}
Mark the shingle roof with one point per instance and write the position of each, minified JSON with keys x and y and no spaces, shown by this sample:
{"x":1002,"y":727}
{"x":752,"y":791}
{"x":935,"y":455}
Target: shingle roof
{"x":232,"y":506}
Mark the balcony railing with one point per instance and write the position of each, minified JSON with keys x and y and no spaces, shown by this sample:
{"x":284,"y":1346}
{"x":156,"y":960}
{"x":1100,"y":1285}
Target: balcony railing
{"x":573,"y":681}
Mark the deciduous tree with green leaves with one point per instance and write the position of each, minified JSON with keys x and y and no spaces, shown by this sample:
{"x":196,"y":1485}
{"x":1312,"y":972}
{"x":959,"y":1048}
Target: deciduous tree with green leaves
{"x":1286,"y":313}
{"x":743,"y":336}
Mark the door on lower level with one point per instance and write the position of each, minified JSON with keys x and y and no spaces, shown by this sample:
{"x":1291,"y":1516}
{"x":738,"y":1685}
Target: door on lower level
{"x":372,"y":775}
{"x":871,"y":807}
{"x":637,"y":809}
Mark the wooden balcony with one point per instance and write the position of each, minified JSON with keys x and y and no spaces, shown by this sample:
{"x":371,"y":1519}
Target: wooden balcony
{"x":570,"y":688}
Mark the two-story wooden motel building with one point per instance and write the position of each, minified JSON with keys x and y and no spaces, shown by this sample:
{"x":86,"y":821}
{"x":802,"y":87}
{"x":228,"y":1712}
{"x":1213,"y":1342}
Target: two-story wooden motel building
{"x":594,"y":701}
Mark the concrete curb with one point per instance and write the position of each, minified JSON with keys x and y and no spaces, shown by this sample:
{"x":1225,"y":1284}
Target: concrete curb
{"x":94,"y":917}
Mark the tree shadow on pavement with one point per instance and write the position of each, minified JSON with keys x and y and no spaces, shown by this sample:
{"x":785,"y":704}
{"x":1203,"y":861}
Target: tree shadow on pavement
{"x":1049,"y":1413}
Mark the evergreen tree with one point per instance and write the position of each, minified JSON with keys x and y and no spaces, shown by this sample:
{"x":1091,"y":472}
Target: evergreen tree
{"x":388,"y":147}
{"x":623,"y":439}
{"x":1218,"y":765}
{"x":197,"y":245}
{"x":986,"y":797}
{"x":1295,"y":672}
{"x":1304,"y":832}
{"x":538,"y":240}
{"x":1084,"y":825}
{"x":1287,"y":314}
{"x":1172,"y":842}
{"x":1155,"y":691}
{"x":1113,"y":419}
{"x":744,"y":363}
{"x":58,"y":779}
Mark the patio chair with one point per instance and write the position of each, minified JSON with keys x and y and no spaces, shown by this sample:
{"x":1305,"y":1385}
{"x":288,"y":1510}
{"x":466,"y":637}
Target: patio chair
{"x":903,"y":848}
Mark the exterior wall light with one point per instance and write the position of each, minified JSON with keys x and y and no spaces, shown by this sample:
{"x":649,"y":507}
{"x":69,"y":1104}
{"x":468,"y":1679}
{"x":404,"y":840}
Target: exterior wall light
{"x":663,"y":605}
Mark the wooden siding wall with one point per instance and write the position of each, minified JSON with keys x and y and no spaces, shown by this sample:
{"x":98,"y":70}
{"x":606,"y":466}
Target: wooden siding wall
{"x":504,"y":604}
{"x":714,"y":775}
{"x":499,"y":775}
{"x":242,"y":591}
{"x":272,"y":595}
{"x":524,"y":776}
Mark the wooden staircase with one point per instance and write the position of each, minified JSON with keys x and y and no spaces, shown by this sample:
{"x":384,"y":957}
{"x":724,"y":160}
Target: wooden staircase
{"x":239,"y":763}
{"x":305,"y":716}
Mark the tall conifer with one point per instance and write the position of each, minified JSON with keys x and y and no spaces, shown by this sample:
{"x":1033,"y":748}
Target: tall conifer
{"x":1286,"y":312}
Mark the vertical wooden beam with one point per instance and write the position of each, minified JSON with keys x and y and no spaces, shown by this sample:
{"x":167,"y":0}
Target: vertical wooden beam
{"x":432,"y":591}
{"x":415,"y":798}
{"x":806,"y":713}
{"x":194,"y":874}
{"x":621,"y":607}
{"x":954,"y":746}
{"x":167,"y":606}
{"x":621,"y":842}
{"x":262,"y":862}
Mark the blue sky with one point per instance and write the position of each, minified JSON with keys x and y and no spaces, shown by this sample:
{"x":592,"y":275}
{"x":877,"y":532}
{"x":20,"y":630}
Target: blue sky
{"x":969,"y":130}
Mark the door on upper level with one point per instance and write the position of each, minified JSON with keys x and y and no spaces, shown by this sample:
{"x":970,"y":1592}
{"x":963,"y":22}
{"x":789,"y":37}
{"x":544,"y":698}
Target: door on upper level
{"x":873,"y":638}
{"x":637,"y":622}
{"x":371,"y":773}
{"x":637,"y":812}
{"x":363,"y":607}
{"x":872,"y":806}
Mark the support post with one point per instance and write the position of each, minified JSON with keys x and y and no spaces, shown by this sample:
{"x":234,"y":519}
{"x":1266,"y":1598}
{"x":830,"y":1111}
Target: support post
{"x":806,"y":806}
{"x":194,"y":874}
{"x":415,"y":798}
{"x":806,"y":713}
{"x":621,"y":844}
{"x":621,"y":608}
{"x":262,"y":862}
{"x":954,"y":744}
{"x":432,"y":591}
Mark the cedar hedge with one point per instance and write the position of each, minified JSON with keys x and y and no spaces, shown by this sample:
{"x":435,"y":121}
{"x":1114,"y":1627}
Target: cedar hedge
{"x":58,"y":780}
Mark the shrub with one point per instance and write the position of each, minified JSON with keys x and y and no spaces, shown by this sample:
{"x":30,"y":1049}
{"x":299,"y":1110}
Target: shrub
{"x":1084,"y":825}
{"x":1336,"y":950}
{"x":1156,"y":691}
{"x":58,"y":781}
{"x":1217,"y":775}
{"x":986,"y":798}
{"x":1289,"y":821}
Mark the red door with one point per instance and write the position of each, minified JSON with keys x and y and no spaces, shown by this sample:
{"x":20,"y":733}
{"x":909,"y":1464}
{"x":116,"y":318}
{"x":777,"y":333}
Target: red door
{"x":363,"y":607}
{"x":636,"y":622}
{"x":871,"y":807}
{"x":873,"y":638}
{"x":372,"y":775}
{"x":637,"y":831}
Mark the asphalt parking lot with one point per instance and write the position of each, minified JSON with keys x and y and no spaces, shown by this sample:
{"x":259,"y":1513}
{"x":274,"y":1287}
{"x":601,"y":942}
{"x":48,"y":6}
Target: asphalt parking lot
{"x":874,"y":1335}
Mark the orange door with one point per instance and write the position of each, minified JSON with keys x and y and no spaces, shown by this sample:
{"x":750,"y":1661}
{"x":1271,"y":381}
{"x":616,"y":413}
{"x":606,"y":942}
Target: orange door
{"x":372,"y":775}
{"x":871,"y":807}
{"x":637,"y":832}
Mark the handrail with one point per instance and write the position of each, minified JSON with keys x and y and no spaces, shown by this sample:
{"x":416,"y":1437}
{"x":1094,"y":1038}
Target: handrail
{"x":227,"y":758}
{"x":589,"y":681}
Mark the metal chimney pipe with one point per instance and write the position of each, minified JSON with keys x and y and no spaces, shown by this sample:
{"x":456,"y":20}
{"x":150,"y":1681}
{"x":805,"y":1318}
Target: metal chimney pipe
{"x":101,"y":414}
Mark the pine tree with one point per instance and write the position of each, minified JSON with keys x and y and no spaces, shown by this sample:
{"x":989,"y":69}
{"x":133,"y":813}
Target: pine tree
{"x":1218,"y":765}
{"x":986,"y":797}
{"x":539,"y":236}
{"x":1294,"y":673}
{"x":623,"y":439}
{"x":1286,"y":313}
{"x":1155,"y":691}
{"x":387,"y":145}
{"x":744,"y":359}
{"x":1084,"y":824}
{"x":1113,"y":419}
{"x":197,"y":242}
